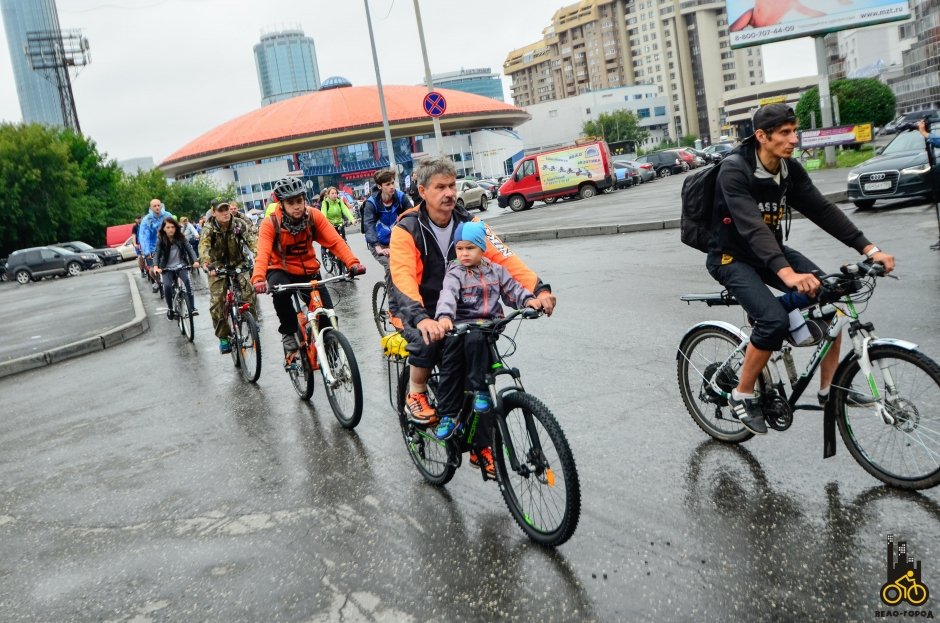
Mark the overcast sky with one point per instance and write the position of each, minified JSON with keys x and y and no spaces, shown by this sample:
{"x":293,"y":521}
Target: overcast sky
{"x":165,"y":71}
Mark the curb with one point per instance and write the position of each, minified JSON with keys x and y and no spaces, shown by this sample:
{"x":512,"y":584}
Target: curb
{"x":109,"y":338}
{"x":604,"y":230}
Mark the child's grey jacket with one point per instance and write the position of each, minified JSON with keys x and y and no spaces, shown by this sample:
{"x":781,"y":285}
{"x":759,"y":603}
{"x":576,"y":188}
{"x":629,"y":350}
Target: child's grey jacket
{"x":473,"y":292}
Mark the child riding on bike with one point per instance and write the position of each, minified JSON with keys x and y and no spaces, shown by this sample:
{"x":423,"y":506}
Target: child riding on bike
{"x":471,"y":291}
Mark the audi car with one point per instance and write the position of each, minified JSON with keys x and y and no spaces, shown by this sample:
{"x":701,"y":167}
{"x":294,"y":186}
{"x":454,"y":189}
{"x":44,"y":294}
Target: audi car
{"x":900,"y":171}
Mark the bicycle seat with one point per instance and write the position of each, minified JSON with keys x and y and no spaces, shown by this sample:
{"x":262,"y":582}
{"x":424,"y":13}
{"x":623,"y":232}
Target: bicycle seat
{"x":711,"y":299}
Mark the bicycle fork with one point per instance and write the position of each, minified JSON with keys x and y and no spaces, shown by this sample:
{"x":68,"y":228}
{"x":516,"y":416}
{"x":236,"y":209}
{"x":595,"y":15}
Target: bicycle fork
{"x":860,"y":343}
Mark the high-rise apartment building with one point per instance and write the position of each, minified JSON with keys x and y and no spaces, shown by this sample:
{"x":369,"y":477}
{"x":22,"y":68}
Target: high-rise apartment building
{"x":287,"y":65}
{"x":919,"y":86}
{"x":680,"y":46}
{"x":479,"y":81}
{"x":39,"y":97}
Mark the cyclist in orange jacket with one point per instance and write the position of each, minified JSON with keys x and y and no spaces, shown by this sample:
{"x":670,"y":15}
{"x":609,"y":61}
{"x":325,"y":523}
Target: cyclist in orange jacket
{"x":286,"y":253}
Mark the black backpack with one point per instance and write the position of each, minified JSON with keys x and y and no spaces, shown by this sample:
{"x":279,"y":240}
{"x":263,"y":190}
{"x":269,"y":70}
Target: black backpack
{"x":698,"y":205}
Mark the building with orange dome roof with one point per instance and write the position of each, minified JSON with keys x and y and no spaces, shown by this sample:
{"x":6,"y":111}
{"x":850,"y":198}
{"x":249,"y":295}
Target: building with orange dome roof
{"x":334,"y":137}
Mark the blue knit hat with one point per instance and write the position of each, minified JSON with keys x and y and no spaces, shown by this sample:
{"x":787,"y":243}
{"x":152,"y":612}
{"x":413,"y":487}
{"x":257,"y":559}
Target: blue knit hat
{"x":473,"y":231}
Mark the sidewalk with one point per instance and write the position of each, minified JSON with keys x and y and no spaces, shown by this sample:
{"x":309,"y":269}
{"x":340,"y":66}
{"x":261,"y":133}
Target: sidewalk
{"x":54,"y":320}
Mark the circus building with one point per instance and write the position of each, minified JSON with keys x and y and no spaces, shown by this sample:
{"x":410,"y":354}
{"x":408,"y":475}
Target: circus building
{"x":334,"y":137}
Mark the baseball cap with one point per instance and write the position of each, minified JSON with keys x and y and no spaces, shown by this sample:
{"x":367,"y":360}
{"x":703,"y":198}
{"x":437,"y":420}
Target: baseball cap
{"x":770,"y":116}
{"x":219,"y":203}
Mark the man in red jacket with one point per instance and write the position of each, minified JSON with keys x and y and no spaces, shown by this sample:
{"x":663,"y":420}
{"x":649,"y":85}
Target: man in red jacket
{"x":286,"y":253}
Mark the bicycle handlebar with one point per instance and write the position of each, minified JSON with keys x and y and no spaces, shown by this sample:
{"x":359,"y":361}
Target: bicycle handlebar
{"x":313,"y":283}
{"x":527,"y":313}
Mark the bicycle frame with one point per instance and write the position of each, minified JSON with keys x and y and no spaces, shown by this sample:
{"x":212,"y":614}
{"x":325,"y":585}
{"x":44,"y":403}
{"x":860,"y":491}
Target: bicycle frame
{"x":862,"y":336}
{"x":309,"y":315}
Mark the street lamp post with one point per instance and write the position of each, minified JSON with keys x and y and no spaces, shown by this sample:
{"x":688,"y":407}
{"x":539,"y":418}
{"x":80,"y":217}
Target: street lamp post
{"x":378,"y":81}
{"x":427,"y":77}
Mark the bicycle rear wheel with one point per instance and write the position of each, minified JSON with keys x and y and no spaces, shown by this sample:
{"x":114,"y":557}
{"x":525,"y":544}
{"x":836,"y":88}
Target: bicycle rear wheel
{"x":436,"y":460}
{"x":905,"y":454}
{"x":345,"y":395}
{"x":301,"y":373}
{"x":184,"y":315}
{"x":248,"y":344}
{"x":700,"y":356}
{"x":380,"y":308}
{"x":544,"y":494}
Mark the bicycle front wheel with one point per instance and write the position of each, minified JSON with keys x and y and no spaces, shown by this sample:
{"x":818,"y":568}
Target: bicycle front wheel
{"x":435,"y":459}
{"x":543,"y":493}
{"x":905,"y":453}
{"x":235,"y":337}
{"x":701,"y":354}
{"x":184,"y":315}
{"x":345,"y":395}
{"x":248,"y":345}
{"x":380,"y":308}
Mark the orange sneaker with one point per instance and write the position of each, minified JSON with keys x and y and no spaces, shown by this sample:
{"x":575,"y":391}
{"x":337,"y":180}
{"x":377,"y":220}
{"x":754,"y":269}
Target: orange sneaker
{"x":488,"y":462}
{"x":420,"y":410}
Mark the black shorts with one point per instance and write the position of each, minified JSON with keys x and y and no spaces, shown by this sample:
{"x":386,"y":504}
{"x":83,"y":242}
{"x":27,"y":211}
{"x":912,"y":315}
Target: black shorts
{"x":748,"y":284}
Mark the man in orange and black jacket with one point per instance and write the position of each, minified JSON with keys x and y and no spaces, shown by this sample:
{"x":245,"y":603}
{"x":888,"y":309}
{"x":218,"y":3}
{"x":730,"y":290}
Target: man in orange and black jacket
{"x":422,"y":244}
{"x":286,"y":253}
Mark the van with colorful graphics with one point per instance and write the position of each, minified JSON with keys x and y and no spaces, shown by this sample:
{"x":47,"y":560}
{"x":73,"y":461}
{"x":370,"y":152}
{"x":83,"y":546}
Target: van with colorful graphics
{"x":574,"y":171}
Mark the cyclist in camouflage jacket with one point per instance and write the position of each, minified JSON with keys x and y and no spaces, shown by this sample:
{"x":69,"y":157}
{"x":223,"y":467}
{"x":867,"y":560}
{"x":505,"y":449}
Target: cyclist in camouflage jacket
{"x":223,"y":245}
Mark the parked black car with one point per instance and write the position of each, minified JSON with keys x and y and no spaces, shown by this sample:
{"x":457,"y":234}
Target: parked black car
{"x":718,"y":151}
{"x":665,"y":162}
{"x":3,"y":269}
{"x":35,"y":263}
{"x":108,"y":255}
{"x":900,"y":171}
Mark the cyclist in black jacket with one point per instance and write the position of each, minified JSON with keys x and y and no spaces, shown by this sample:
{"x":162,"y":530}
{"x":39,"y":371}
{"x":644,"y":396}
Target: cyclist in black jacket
{"x":757,"y":186}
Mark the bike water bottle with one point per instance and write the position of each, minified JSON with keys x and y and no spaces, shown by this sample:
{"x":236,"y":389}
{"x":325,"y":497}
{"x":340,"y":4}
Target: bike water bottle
{"x":800,"y":334}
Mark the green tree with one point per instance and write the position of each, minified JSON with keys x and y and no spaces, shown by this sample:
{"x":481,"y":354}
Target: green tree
{"x":191,"y":198}
{"x":41,"y":186}
{"x":620,"y":125}
{"x":99,"y":205}
{"x":861,"y":100}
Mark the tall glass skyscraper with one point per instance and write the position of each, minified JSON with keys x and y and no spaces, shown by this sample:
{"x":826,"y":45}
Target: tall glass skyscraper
{"x":479,"y":81}
{"x":39,"y":98}
{"x":287,"y":65}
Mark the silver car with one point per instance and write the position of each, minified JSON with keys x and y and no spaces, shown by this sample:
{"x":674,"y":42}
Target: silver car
{"x":471,"y":195}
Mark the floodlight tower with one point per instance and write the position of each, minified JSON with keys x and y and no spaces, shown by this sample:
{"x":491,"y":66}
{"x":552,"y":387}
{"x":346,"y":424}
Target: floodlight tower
{"x":53,"y":53}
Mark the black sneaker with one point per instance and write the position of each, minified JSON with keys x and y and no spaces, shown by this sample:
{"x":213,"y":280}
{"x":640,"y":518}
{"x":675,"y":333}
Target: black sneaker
{"x":748,"y":412}
{"x":852,"y":399}
{"x":289,"y":342}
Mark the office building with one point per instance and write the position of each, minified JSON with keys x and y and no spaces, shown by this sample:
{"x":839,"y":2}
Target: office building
{"x":39,"y":97}
{"x":287,"y":65}
{"x":479,"y":81}
{"x":680,"y":46}
{"x":919,"y":85}
{"x":560,"y":122}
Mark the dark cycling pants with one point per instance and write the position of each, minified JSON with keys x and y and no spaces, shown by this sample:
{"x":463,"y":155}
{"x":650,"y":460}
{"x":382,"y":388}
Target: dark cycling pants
{"x":747,"y":284}
{"x":282,"y":301}
{"x":464,"y":362}
{"x":169,"y":276}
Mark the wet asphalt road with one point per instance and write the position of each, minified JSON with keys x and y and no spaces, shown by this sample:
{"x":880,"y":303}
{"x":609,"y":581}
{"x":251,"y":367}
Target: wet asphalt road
{"x":149,"y":483}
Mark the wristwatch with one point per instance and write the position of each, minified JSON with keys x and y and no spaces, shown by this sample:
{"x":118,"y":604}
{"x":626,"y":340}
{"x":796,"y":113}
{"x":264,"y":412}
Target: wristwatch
{"x":871,"y":252}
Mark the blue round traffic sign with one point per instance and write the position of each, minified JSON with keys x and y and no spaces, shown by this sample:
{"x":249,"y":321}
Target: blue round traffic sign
{"x":434,"y":104}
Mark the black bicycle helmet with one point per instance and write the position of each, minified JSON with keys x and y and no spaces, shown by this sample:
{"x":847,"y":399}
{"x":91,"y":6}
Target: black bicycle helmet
{"x":288,"y":187}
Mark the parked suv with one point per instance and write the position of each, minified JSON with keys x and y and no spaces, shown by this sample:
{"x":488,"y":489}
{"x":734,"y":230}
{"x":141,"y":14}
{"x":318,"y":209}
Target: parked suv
{"x":108,"y":255}
{"x":35,"y":263}
{"x":665,"y":162}
{"x":471,"y":195}
{"x":718,"y":151}
{"x":900,"y":171}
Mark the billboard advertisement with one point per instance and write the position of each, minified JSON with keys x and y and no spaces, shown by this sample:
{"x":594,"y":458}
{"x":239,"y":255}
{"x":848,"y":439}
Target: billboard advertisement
{"x":755,"y":22}
{"x":841,"y":135}
{"x":569,"y":167}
